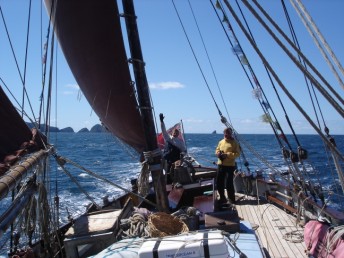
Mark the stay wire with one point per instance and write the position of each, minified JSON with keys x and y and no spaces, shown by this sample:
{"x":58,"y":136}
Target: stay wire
{"x":273,"y":86}
{"x":60,"y":163}
{"x":223,"y":119}
{"x":296,"y":169}
{"x":265,"y":110}
{"x":26,"y":52}
{"x":252,"y":73}
{"x":309,"y":84}
{"x":230,"y":41}
{"x":236,"y":135}
{"x":61,"y":160}
{"x":208,"y":57}
{"x":329,"y":144}
{"x":48,"y":107}
{"x":317,"y":36}
{"x":296,"y":42}
{"x":16,"y":61}
{"x":194,"y":54}
{"x":301,"y":7}
{"x":44,"y":57}
{"x":327,"y":140}
{"x":282,"y":105}
{"x":323,"y":91}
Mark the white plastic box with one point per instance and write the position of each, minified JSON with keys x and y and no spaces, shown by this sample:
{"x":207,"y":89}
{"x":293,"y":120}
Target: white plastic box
{"x":185,"y":246}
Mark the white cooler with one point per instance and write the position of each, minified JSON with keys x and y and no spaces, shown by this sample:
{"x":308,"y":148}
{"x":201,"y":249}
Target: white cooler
{"x":199,"y":244}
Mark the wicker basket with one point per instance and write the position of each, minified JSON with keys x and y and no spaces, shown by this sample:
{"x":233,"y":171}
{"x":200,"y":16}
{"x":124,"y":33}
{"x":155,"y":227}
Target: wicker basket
{"x":161,"y":224}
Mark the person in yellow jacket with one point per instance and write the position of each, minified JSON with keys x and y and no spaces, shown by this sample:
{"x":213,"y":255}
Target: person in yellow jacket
{"x":227,"y":151}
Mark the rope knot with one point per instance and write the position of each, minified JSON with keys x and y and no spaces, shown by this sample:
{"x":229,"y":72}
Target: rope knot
{"x":150,"y":155}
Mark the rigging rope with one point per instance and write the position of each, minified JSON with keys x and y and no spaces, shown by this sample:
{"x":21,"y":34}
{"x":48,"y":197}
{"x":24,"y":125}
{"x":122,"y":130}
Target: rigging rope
{"x":335,"y":235}
{"x":300,"y":150}
{"x":26,"y":51}
{"x":63,"y":160}
{"x":208,"y":57}
{"x":44,"y":57}
{"x":307,"y":73}
{"x":298,"y":10}
{"x":301,"y":8}
{"x":16,"y":61}
{"x":44,"y":217}
{"x":305,"y":65}
{"x":313,"y":80}
{"x":194,"y":54}
{"x":280,"y":82}
{"x":223,"y":119}
{"x":263,"y":103}
{"x":48,"y":107}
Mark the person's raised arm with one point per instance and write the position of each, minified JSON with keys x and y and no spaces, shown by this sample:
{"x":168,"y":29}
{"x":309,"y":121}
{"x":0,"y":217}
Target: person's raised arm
{"x":163,"y":128}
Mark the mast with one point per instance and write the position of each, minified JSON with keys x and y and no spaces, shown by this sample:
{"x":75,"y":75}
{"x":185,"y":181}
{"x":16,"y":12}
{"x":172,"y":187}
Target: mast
{"x":144,"y":102}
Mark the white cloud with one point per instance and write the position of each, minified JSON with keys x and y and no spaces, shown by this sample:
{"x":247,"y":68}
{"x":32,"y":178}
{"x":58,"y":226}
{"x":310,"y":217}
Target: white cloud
{"x":72,"y":89}
{"x":248,"y":121}
{"x":193,"y":120}
{"x":73,"y":86}
{"x":68,"y":93}
{"x":166,"y":85}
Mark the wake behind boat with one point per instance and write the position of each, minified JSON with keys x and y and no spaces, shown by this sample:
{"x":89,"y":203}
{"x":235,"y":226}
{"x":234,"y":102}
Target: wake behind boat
{"x":158,"y":218}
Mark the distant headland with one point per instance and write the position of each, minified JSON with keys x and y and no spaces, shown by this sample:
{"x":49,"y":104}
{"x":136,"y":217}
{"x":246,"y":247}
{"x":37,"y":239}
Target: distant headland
{"x":94,"y":129}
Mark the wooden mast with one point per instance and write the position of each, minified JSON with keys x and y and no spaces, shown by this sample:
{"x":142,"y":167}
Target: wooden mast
{"x":144,"y":101}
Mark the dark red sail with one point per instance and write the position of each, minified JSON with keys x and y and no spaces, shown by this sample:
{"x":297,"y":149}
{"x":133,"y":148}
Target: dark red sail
{"x":13,"y":130}
{"x":90,"y":36}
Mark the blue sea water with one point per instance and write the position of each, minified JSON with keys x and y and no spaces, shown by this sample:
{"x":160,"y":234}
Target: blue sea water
{"x":102,"y":154}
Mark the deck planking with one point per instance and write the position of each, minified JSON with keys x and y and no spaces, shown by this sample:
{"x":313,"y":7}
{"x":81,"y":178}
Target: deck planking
{"x":274,"y":226}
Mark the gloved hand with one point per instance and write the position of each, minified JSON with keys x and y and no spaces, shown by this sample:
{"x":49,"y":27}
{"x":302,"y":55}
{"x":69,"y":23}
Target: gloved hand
{"x":161,"y":115}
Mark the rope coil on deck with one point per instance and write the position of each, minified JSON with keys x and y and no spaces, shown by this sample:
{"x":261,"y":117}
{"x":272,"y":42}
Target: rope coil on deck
{"x":135,"y":226}
{"x":333,"y":237}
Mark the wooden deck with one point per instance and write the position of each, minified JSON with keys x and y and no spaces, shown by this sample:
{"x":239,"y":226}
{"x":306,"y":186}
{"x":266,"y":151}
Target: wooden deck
{"x":277,"y":231}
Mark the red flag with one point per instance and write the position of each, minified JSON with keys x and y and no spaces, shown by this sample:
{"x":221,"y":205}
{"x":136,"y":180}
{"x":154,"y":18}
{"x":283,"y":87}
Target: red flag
{"x":160,"y":137}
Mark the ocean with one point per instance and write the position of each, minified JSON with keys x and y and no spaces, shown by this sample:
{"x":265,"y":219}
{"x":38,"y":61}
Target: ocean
{"x":102,"y":154}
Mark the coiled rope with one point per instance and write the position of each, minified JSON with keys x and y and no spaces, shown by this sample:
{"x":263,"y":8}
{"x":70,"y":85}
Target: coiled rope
{"x":135,"y":226}
{"x":333,"y":237}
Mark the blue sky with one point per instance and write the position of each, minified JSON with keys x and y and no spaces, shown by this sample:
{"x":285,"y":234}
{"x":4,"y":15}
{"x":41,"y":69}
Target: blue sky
{"x":177,"y":85}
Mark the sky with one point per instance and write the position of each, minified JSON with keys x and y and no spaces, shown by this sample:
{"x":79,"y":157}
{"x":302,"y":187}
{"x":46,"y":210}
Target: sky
{"x":183,"y":87}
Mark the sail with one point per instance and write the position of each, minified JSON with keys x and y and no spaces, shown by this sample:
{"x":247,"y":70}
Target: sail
{"x":13,"y":130}
{"x":91,"y":39}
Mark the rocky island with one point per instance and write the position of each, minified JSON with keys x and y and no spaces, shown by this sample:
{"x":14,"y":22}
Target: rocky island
{"x":98,"y":128}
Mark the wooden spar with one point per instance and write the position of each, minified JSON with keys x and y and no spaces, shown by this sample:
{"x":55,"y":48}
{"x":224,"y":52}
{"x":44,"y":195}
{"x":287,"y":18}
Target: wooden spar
{"x":144,"y":102}
{"x":18,"y":172}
